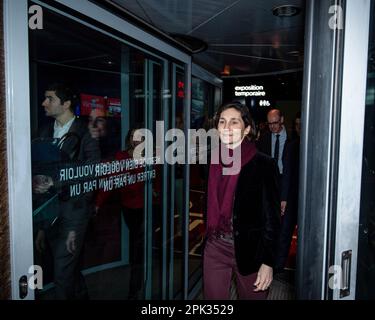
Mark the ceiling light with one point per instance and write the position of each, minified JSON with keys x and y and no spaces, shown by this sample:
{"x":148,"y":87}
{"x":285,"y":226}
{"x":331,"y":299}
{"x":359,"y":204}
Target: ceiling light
{"x":287,"y":10}
{"x":226,"y":70}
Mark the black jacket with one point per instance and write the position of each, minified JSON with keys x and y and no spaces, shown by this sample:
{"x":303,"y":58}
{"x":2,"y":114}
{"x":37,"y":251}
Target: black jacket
{"x":77,"y":149}
{"x":290,"y":180}
{"x":264,"y":144}
{"x":256,"y":214}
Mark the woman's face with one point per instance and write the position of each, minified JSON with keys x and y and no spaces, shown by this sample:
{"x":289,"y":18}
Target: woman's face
{"x":232,"y":128}
{"x":97,"y":123}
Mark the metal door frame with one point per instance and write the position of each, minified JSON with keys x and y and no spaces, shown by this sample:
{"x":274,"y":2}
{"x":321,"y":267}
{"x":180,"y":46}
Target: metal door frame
{"x":357,"y":21}
{"x":18,"y":142}
{"x":331,"y":144}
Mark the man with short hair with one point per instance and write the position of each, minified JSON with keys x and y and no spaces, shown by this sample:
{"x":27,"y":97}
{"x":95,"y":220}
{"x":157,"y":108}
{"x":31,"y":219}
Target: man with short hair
{"x":274,"y":141}
{"x":289,"y":194}
{"x":66,"y":233}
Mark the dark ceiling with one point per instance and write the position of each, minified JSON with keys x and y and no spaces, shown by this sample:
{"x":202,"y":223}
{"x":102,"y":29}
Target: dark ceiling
{"x":242,"y":34}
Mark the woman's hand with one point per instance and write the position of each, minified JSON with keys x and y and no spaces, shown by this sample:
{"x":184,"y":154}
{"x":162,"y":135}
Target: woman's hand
{"x":264,"y":278}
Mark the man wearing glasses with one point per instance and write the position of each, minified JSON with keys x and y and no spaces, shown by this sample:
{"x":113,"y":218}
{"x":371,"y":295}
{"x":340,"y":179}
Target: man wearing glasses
{"x":274,"y":141}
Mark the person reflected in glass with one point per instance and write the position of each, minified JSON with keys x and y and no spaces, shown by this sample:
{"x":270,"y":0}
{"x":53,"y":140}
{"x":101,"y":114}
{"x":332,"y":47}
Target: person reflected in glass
{"x":131,"y":197}
{"x":243,"y":213}
{"x":66,"y":232}
{"x":106,"y":131}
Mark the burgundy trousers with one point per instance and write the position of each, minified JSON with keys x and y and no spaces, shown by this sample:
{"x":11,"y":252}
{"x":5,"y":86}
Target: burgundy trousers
{"x":219,"y":264}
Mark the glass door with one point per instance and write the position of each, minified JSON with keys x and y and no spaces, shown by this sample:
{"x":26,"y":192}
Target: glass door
{"x":333,"y":115}
{"x":365,"y":280}
{"x":96,"y":226}
{"x":177,"y":180}
{"x":97,"y":204}
{"x":347,"y":266}
{"x":155,"y":229}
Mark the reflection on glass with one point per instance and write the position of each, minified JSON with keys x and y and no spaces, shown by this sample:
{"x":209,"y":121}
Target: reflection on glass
{"x":204,"y":103}
{"x":88,"y":190}
{"x":178,"y":243}
{"x":155,"y":188}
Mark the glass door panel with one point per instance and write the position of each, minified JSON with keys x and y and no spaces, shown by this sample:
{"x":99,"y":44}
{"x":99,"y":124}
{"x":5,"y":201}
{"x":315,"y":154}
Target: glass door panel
{"x":365,"y":284}
{"x":155,"y":252}
{"x":177,"y":191}
{"x":96,"y":208}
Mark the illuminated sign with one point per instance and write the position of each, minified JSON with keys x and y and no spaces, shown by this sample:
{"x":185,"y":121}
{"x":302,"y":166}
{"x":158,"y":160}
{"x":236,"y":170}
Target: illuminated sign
{"x":249,"y":91}
{"x":252,"y":91}
{"x":264,"y":103}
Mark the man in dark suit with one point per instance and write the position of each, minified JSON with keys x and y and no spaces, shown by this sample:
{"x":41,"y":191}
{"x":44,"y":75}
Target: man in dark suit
{"x":65,"y":234}
{"x":289,"y":195}
{"x":273,"y":142}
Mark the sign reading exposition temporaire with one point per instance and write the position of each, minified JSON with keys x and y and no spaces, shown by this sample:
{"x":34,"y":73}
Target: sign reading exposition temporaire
{"x":252,"y":91}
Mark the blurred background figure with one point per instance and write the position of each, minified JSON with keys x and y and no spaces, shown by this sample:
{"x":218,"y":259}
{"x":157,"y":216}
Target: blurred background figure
{"x":289,"y":194}
{"x":98,"y":123}
{"x":131,"y":198}
{"x":65,"y":234}
{"x":274,"y":141}
{"x":106,"y":131}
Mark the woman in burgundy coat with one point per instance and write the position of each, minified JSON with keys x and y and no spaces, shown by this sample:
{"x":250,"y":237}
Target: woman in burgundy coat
{"x":243,"y":211}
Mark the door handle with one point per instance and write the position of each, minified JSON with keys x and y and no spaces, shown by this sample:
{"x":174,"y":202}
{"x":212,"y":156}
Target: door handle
{"x":346,"y":266}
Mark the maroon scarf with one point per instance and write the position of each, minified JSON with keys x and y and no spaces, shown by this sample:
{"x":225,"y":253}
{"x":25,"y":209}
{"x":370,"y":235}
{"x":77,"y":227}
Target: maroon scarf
{"x":221,"y":190}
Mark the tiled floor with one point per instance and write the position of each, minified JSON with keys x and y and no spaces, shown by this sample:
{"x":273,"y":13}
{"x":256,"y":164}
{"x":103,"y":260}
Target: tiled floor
{"x":282,"y":287}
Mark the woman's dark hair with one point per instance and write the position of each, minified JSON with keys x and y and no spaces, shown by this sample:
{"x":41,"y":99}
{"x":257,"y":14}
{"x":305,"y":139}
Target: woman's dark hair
{"x":245,"y":115}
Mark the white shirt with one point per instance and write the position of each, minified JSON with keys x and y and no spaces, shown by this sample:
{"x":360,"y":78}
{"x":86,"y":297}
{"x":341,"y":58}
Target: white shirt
{"x":282,"y":139}
{"x":59,"y":131}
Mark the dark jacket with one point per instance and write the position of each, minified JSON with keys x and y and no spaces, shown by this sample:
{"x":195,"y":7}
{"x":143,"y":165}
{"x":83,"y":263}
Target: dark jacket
{"x":77,"y":149}
{"x":78,"y":146}
{"x":290,"y":181}
{"x":256,"y":214}
{"x":264,"y":144}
